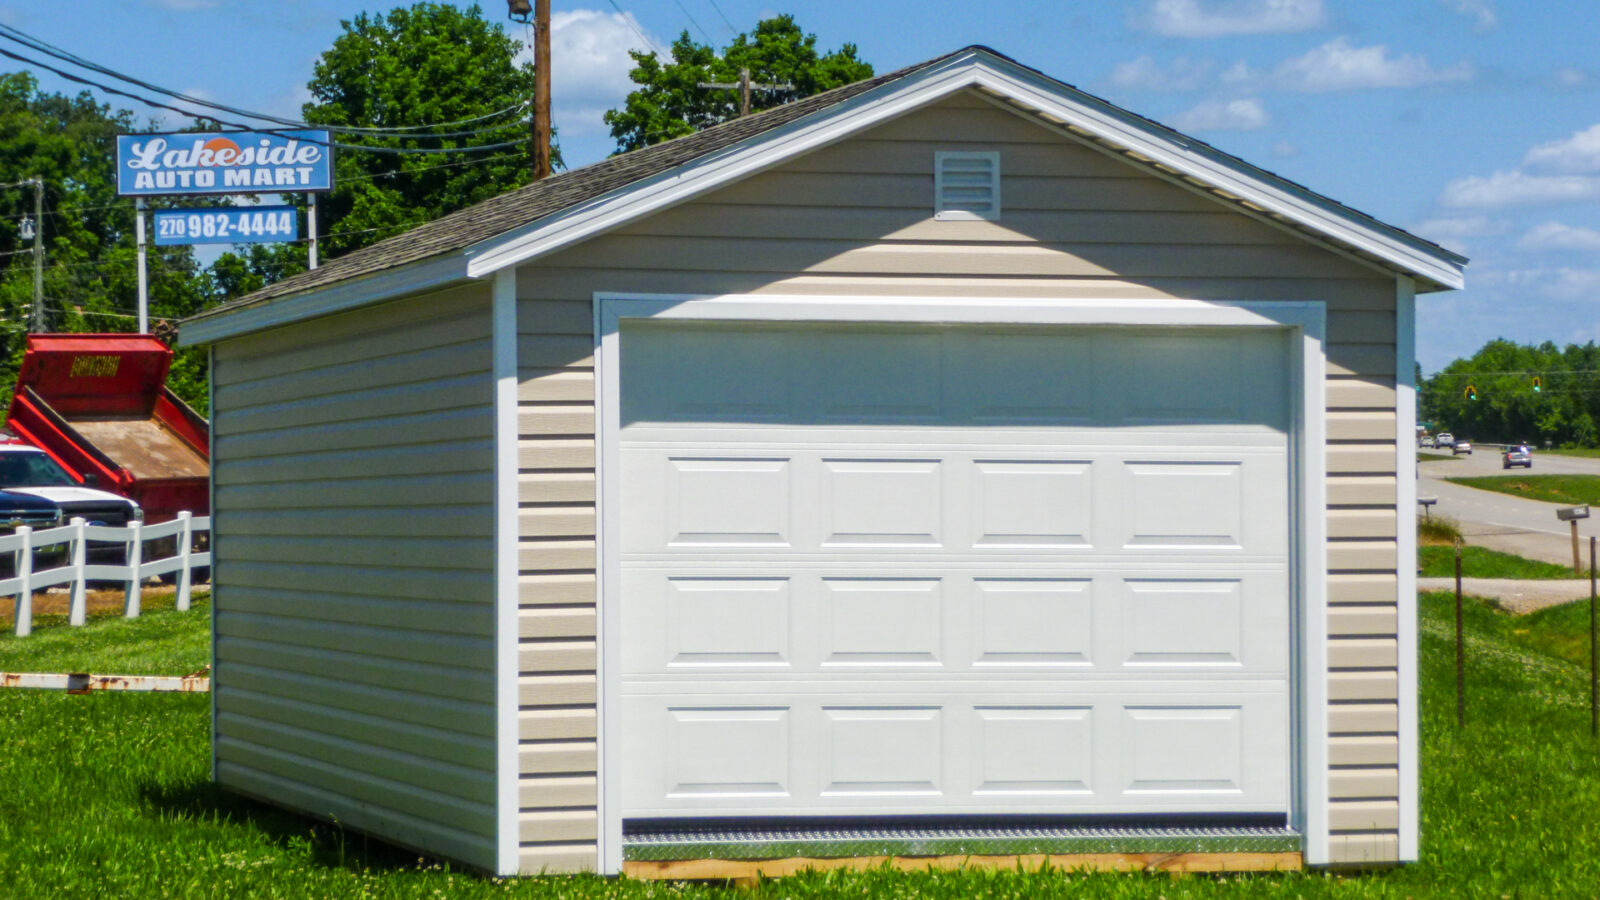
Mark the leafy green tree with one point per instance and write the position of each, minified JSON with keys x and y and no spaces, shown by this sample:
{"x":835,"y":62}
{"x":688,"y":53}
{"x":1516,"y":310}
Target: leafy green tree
{"x":90,"y":281}
{"x":1507,"y":408}
{"x":418,"y":65}
{"x":669,"y":103}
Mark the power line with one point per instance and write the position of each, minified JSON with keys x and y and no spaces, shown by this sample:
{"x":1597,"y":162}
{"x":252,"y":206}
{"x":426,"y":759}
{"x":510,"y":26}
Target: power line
{"x":693,"y":21}
{"x":155,"y":104}
{"x":16,"y":35}
{"x":649,"y":44}
{"x":731,"y":29}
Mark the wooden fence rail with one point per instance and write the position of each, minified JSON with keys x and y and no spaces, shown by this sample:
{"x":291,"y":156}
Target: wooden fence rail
{"x":77,"y":536}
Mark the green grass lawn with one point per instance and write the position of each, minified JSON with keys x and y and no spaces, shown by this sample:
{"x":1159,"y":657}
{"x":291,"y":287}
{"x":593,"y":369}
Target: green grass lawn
{"x":1588,"y":453}
{"x":1479,"y":562}
{"x":1567,"y":490}
{"x":1435,"y":457}
{"x":107,"y":795}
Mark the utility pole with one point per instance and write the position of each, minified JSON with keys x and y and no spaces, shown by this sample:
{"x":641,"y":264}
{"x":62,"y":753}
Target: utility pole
{"x":541,"y":89}
{"x":37,"y":313}
{"x":744,"y":87}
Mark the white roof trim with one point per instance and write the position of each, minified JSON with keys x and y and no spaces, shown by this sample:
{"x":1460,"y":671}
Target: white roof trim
{"x":337,"y":297}
{"x":975,"y":68}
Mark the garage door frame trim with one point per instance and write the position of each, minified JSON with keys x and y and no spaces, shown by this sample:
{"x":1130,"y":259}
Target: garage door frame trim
{"x":1304,"y":320}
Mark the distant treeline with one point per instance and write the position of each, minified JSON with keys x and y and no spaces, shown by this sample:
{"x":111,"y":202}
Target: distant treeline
{"x":1508,"y":392}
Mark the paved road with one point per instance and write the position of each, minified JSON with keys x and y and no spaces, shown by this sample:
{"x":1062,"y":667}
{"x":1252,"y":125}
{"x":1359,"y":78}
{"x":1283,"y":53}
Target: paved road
{"x":1501,"y":521}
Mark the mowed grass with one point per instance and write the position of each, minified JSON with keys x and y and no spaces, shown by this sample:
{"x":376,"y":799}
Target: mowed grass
{"x":1438,"y":561}
{"x":1435,"y":457}
{"x":1585,"y":453}
{"x":1567,"y":490}
{"x":108,"y":795}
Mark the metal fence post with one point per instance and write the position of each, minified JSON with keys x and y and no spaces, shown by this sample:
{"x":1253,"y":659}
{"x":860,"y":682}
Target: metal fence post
{"x":78,"y":612}
{"x":133,"y":557}
{"x":1461,"y":652}
{"x":24,"y":569}
{"x":185,"y":550}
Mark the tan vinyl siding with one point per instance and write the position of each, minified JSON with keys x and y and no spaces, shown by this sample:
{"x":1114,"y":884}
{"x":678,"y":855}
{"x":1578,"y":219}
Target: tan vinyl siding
{"x":855,"y":219}
{"x":354,"y":579}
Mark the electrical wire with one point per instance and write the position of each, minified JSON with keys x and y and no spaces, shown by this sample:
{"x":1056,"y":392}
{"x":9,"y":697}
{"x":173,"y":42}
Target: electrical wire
{"x":731,"y":29}
{"x":396,"y":151}
{"x":16,"y":35}
{"x":649,"y":44}
{"x":693,"y":21}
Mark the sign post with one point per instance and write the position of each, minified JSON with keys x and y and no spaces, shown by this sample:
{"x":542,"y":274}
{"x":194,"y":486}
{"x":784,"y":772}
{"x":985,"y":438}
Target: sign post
{"x":311,"y":229}
{"x":144,"y":283}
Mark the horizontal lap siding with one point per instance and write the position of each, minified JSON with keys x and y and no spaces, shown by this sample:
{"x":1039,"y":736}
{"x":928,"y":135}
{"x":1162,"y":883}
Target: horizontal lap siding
{"x":354,"y":587}
{"x":855,"y":219}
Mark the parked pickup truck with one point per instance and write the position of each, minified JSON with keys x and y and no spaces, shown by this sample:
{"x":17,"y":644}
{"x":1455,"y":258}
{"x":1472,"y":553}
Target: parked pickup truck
{"x":36,"y":491}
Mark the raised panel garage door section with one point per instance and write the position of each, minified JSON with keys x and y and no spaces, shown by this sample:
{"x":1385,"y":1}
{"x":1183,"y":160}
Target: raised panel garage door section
{"x":892,"y":570}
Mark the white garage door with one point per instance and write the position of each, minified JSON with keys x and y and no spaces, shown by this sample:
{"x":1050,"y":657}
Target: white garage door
{"x":901,"y":569}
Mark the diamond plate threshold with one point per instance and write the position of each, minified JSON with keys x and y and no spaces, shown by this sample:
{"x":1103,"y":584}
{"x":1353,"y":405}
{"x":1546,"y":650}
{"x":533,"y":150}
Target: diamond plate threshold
{"x":833,"y":843}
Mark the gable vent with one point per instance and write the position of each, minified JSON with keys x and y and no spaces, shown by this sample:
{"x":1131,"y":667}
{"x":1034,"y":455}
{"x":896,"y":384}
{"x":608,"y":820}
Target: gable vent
{"x":966,"y":186}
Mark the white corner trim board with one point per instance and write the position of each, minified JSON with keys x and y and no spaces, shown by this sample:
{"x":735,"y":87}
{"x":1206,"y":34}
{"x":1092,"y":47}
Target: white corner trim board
{"x":507,"y":770}
{"x":1303,"y":323}
{"x":1405,"y":417}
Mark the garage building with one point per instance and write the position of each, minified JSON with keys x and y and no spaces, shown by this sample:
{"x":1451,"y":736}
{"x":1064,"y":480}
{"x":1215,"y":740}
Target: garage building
{"x":949,"y":464}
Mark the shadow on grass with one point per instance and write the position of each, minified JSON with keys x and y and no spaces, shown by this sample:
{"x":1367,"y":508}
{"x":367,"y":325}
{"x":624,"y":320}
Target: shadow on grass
{"x":324,"y":843}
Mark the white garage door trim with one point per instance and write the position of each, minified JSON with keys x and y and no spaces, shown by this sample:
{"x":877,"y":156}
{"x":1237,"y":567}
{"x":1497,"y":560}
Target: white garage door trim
{"x":1306,"y":320}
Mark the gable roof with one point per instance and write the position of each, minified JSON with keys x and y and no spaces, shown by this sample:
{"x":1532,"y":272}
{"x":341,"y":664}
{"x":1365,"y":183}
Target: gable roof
{"x":538,"y":218}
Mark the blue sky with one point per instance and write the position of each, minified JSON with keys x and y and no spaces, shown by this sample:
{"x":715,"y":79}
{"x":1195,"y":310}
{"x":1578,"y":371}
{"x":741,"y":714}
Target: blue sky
{"x":1475,"y":123}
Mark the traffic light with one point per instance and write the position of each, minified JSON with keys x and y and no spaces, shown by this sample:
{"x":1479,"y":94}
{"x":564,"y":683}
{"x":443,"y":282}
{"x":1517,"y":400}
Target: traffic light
{"x":1471,"y":393}
{"x":1538,"y":384}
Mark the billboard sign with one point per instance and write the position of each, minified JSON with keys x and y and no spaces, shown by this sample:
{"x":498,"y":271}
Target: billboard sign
{"x":227,"y":225}
{"x":232,"y":162}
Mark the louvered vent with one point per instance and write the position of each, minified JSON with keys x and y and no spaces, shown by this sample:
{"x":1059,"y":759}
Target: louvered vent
{"x":966,"y":186}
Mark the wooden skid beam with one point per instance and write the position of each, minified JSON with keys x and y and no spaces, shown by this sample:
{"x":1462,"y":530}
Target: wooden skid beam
{"x":83,"y":683}
{"x":747,"y":870}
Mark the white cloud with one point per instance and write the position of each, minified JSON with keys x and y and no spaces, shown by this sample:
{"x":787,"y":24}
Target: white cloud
{"x":1458,"y":227}
{"x":1223,"y":115}
{"x":1571,"y":77}
{"x":1556,"y":236}
{"x":1216,"y":18}
{"x":1145,"y":74}
{"x":1481,"y":11}
{"x":1285,"y":150}
{"x":589,"y":58}
{"x":1338,"y":66}
{"x":1577,"y":154}
{"x":1517,"y":188}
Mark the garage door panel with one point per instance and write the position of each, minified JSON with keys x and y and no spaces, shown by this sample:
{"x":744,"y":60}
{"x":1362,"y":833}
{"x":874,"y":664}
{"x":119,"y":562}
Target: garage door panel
{"x":867,"y":500}
{"x":824,"y":750}
{"x":991,"y":623}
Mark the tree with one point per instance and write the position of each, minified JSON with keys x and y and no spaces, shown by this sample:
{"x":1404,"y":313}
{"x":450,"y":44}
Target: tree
{"x":414,"y":66}
{"x":1507,"y":408}
{"x":670,"y":104}
{"x":87,"y":232}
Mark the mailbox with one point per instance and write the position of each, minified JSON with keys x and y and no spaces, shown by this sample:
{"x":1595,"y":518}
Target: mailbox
{"x":1573,"y":513}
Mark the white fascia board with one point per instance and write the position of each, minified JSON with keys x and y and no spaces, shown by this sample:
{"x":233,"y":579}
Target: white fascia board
{"x":973,"y":69}
{"x":719,"y":168}
{"x":1215,"y":168}
{"x":337,"y":297}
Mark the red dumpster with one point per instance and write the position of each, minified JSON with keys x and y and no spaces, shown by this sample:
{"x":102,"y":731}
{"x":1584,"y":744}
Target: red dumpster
{"x":99,"y":405}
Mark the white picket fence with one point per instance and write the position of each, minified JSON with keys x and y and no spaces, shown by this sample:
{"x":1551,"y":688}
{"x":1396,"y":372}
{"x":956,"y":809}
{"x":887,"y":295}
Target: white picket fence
{"x":78,"y":571}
